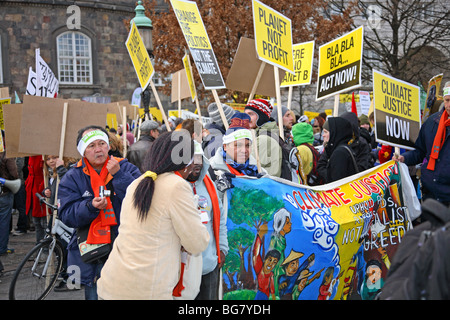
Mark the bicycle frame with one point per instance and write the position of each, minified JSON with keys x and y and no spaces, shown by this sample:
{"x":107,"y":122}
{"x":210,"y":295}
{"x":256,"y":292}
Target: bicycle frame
{"x":50,"y":253}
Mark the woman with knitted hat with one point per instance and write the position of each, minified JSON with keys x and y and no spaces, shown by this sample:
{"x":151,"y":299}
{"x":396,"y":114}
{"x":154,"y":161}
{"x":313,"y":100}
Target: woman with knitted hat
{"x":267,"y":135}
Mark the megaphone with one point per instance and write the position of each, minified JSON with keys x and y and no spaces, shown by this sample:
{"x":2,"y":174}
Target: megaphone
{"x":13,"y":185}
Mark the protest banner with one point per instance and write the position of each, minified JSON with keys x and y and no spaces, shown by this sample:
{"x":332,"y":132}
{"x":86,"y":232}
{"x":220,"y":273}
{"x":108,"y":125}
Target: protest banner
{"x":197,"y":39}
{"x":273,"y":40}
{"x":364,"y":102}
{"x":2,"y":103}
{"x":139,"y":56}
{"x":47,"y":116}
{"x":273,"y":36}
{"x":191,"y":81}
{"x":434,"y":85}
{"x":143,"y":66}
{"x":31,"y":83}
{"x":194,"y":31}
{"x":340,"y":63}
{"x":180,"y":88}
{"x":303,"y":64}
{"x":47,"y":85}
{"x":288,"y":241}
{"x":396,"y":111}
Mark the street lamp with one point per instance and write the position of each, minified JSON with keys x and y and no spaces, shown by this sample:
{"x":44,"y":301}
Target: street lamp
{"x":145,"y":27}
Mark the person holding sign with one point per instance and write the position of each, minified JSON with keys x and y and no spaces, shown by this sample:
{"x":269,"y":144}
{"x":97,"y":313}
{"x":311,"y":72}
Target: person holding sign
{"x":432,"y":149}
{"x":84,"y":206}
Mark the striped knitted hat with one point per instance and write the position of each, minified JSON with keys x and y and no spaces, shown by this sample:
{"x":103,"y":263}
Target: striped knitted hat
{"x":262,"y":107}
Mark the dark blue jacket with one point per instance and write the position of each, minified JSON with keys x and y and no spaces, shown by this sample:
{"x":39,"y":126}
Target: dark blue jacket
{"x":435,"y":184}
{"x":75,"y":196}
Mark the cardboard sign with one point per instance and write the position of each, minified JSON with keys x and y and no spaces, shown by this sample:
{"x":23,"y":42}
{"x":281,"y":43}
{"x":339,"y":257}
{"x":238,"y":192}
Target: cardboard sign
{"x":273,"y":36}
{"x":47,"y":85}
{"x":303,"y":65}
{"x":197,"y":39}
{"x":190,"y":76}
{"x":397,"y":111}
{"x":180,"y":86}
{"x":12,"y":114}
{"x":244,"y":71}
{"x":139,"y":56}
{"x":46,"y":115}
{"x":340,"y":63}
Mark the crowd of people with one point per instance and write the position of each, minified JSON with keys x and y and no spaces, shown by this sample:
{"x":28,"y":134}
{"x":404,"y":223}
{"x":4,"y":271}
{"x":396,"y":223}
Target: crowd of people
{"x":163,"y":217}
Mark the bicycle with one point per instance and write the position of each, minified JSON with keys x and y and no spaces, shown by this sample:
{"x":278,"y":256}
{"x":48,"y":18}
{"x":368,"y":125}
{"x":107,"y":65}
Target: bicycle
{"x":38,"y":272}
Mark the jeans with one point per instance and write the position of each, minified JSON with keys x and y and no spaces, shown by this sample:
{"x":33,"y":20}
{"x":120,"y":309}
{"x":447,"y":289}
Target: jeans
{"x":90,"y":292}
{"x":6,"y":204}
{"x":209,"y":287}
{"x":19,"y":202}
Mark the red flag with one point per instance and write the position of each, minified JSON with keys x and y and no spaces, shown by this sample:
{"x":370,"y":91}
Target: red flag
{"x":354,"y":104}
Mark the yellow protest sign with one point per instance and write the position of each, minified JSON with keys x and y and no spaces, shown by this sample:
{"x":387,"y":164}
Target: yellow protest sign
{"x":139,"y":56}
{"x":340,"y":64}
{"x":273,"y":36}
{"x":194,"y":32}
{"x":397,"y":111}
{"x":190,"y":76}
{"x":303,"y":64}
{"x":3,"y":102}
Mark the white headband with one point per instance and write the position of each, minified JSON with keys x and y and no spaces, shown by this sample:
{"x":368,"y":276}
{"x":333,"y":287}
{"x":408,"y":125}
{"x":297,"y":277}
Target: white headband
{"x":446,"y":91}
{"x":237,"y":135}
{"x":90,"y":137}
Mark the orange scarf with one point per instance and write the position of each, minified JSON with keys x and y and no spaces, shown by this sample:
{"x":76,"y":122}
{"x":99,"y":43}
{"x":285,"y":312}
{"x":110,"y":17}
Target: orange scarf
{"x":234,"y":171}
{"x":100,"y":229}
{"x":438,"y":140}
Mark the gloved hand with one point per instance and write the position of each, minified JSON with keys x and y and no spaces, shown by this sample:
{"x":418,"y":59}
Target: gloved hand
{"x":223,"y":180}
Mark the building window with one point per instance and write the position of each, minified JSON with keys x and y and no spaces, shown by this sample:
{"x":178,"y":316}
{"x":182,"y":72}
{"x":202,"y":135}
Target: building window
{"x":74,"y":58}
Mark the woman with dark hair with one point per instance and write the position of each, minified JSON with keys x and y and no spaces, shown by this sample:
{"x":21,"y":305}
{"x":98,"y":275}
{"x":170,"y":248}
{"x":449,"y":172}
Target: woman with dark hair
{"x":159,"y":217}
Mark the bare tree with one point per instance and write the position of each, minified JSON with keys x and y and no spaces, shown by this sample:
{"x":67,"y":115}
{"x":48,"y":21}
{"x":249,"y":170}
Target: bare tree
{"x":407,"y":39}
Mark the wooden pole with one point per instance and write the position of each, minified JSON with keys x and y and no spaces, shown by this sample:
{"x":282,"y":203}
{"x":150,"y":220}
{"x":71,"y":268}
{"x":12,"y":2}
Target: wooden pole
{"x":160,"y":105}
{"x":280,"y":114}
{"x":258,"y":78}
{"x":219,"y":105}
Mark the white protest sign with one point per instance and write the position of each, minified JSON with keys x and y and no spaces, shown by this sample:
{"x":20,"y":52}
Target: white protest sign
{"x":46,"y":83}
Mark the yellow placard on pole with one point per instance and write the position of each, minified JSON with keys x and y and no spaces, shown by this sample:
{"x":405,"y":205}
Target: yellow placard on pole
{"x":340,"y":63}
{"x":273,"y":36}
{"x":303,"y":65}
{"x":396,"y":111}
{"x":139,"y":56}
{"x":197,"y":39}
{"x":3,"y":102}
{"x":190,"y":76}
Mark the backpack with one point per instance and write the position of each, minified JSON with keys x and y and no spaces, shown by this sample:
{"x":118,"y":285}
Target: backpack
{"x":421,"y":265}
{"x":289,"y":161}
{"x":313,"y":178}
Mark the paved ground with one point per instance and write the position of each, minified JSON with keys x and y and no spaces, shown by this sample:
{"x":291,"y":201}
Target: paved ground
{"x":22,"y":245}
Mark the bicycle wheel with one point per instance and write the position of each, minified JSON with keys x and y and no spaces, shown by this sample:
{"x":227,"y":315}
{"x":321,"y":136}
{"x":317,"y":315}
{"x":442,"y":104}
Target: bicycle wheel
{"x":37,"y":273}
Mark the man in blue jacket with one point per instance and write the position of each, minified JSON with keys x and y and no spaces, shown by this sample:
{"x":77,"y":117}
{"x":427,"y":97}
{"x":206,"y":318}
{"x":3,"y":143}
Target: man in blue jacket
{"x":433,"y":145}
{"x":83,"y":206}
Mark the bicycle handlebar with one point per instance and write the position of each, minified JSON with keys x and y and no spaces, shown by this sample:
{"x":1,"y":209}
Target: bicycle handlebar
{"x":42,"y":200}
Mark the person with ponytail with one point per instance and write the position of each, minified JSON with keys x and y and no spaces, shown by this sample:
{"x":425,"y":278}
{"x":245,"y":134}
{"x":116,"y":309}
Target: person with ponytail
{"x":82,"y":206}
{"x":159,"y":217}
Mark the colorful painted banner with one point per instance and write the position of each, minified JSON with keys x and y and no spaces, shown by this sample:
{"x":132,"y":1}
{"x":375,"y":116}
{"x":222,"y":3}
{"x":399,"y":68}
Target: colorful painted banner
{"x":273,"y":36}
{"x":303,"y":65}
{"x":397,"y":111}
{"x":139,"y":56}
{"x":292,"y":242}
{"x":197,"y":39}
{"x":340,"y":63}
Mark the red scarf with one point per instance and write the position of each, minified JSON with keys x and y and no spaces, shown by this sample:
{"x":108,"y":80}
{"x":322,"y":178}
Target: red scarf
{"x":438,"y":140}
{"x":234,"y":171}
{"x":100,"y":229}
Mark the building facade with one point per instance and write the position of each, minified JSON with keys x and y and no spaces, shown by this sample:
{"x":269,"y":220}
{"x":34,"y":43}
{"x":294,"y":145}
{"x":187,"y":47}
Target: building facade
{"x":83,"y":42}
